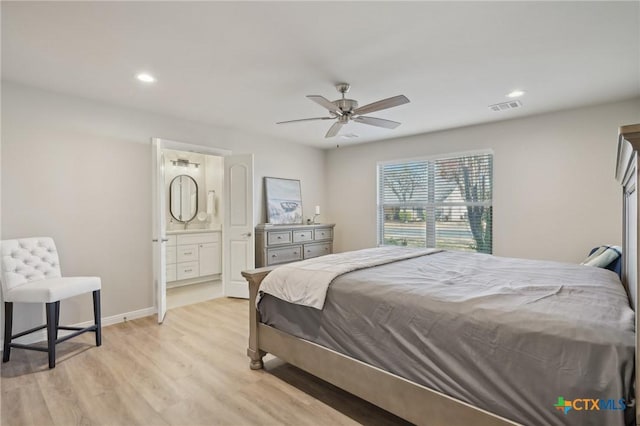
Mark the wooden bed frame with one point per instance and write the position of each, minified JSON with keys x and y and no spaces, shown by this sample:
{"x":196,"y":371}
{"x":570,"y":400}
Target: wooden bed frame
{"x":627,"y":176}
{"x":408,"y":400}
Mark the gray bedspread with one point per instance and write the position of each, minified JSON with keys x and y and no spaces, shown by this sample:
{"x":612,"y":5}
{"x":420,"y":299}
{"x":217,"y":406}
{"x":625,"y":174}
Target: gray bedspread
{"x":507,"y":335}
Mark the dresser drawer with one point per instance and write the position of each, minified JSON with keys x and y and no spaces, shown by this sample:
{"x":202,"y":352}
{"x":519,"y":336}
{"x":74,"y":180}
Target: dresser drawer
{"x":187,"y":253}
{"x":171,"y":272}
{"x":171,"y":254}
{"x":302,"y":236}
{"x":322,"y":234}
{"x":278,"y":237}
{"x":187,"y":270}
{"x":315,"y":250}
{"x":285,"y":254}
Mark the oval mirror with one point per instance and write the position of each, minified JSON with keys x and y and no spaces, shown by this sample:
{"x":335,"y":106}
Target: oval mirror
{"x":183,"y":198}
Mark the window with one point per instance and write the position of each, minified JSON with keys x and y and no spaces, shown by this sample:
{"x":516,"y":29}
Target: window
{"x":442,"y":203}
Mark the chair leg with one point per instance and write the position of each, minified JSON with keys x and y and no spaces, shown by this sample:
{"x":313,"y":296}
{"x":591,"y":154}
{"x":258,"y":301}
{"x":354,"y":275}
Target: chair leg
{"x":51,"y":333}
{"x":97,"y":317}
{"x":57,"y":317}
{"x":8,"y":325}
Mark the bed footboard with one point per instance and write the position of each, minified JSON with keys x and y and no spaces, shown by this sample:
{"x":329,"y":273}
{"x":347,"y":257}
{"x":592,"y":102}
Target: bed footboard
{"x":254,"y":278}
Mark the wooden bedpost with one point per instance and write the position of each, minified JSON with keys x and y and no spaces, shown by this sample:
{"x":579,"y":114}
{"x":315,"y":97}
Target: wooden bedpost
{"x":254,"y":278}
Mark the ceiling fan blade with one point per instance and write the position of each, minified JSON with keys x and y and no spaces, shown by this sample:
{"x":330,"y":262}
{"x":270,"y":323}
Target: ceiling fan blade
{"x":378,"y":122}
{"x":305,"y":119}
{"x":333,"y":130}
{"x":383,"y":104}
{"x":326,"y":103}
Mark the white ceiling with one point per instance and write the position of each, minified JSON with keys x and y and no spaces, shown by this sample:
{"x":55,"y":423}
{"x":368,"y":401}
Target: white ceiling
{"x":247,"y":65}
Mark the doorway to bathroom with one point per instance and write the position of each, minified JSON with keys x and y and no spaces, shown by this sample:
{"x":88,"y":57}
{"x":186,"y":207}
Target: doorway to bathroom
{"x":202,"y":223}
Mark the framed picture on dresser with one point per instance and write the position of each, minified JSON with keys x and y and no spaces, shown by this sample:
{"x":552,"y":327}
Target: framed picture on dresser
{"x":283,"y":201}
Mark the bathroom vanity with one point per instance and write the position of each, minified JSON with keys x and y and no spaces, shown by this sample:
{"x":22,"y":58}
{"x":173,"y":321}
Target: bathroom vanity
{"x":193,"y":256}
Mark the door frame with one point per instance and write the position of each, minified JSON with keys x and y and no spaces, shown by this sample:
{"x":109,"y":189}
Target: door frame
{"x":158,"y":208}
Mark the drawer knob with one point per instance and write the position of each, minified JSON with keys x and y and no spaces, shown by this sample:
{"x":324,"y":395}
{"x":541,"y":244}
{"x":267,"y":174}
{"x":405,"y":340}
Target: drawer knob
{"x":274,"y":255}
{"x":279,"y":237}
{"x":295,"y":252}
{"x":188,"y":270}
{"x":187,"y":253}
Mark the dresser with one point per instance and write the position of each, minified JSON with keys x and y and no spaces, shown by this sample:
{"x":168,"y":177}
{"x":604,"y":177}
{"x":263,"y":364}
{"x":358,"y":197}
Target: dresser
{"x":192,"y":257}
{"x":276,"y":244}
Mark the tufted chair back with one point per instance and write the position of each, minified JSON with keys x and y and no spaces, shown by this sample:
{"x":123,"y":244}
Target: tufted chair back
{"x":28,"y":259}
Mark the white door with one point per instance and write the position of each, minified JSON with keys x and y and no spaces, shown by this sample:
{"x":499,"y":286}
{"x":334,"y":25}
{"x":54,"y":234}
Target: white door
{"x":238,"y":249}
{"x":158,"y":232}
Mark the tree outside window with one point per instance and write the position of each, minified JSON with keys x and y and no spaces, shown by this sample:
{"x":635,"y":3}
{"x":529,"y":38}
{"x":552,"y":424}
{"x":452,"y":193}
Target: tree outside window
{"x":444,"y":203}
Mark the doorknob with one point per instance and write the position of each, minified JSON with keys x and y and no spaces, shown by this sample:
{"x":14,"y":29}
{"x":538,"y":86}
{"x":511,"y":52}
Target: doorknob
{"x":248,"y":234}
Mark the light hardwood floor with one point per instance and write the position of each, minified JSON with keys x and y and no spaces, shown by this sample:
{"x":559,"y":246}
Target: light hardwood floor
{"x":192,"y":370}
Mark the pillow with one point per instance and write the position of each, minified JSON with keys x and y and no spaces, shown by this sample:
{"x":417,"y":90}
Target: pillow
{"x":603,"y":256}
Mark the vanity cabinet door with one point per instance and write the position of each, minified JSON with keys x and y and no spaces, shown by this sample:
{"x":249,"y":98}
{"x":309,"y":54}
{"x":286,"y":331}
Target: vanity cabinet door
{"x":171,"y":254}
{"x":171,"y":263}
{"x":209,"y":259}
{"x":171,"y":272}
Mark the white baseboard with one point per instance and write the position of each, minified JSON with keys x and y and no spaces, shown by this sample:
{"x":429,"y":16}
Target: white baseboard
{"x":41,"y":335}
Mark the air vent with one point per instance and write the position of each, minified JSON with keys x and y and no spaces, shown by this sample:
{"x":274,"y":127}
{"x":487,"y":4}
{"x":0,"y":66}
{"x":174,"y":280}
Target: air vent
{"x":505,"y":106}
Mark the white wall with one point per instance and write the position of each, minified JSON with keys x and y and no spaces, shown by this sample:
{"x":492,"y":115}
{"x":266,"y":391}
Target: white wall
{"x":555,"y":195}
{"x":80,"y":171}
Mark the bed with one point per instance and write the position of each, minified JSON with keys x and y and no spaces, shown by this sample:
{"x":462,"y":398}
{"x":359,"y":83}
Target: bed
{"x":519,"y":345}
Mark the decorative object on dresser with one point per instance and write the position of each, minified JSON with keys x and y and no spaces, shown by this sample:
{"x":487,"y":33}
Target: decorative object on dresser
{"x":192,"y":257}
{"x":284,"y":201}
{"x":283,"y":244}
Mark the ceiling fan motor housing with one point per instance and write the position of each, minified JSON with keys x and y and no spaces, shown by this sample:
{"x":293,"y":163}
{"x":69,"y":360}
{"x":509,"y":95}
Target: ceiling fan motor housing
{"x":346,"y":105}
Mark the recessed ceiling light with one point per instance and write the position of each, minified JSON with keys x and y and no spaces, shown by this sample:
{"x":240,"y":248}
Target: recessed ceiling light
{"x":146,"y":78}
{"x":516,"y":94}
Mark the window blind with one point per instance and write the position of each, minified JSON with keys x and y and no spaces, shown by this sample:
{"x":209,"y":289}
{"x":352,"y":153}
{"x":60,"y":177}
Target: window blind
{"x":442,"y":203}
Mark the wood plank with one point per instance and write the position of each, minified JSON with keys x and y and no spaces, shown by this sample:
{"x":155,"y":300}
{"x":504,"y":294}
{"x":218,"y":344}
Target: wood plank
{"x":190,"y":370}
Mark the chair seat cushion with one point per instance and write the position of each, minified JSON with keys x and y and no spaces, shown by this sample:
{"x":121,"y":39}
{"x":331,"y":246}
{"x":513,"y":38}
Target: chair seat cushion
{"x":52,"y":290}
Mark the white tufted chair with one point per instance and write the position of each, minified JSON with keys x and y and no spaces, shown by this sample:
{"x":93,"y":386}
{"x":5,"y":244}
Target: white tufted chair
{"x":31,"y":274}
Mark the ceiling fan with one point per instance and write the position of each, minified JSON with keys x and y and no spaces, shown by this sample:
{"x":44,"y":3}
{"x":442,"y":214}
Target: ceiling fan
{"x":345,"y":110}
